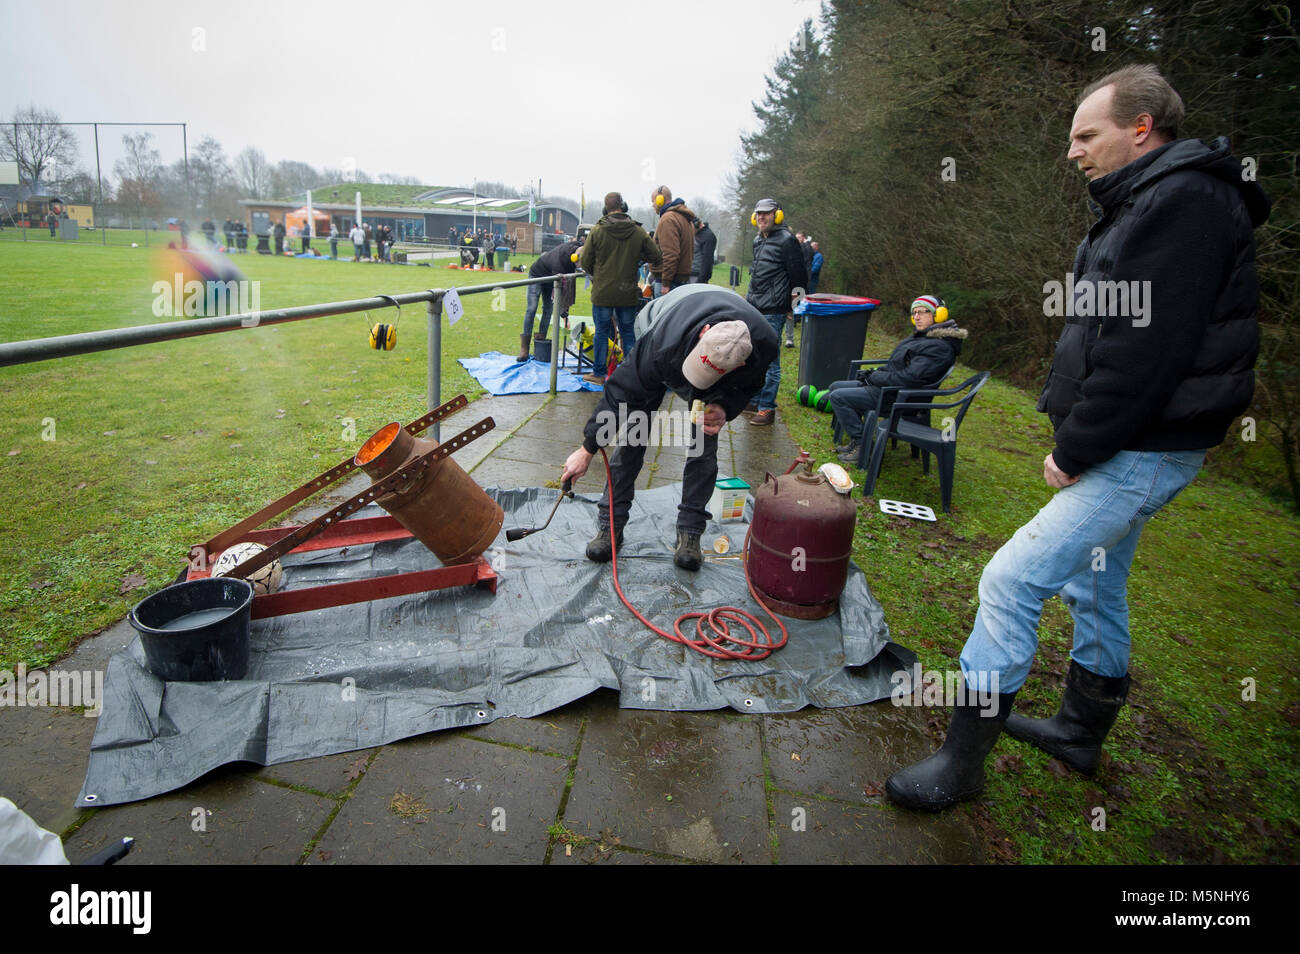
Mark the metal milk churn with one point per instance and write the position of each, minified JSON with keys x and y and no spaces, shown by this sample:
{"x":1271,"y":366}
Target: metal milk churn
{"x":800,"y":543}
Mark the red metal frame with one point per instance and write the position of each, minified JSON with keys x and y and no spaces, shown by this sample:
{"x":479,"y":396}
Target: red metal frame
{"x":339,"y":534}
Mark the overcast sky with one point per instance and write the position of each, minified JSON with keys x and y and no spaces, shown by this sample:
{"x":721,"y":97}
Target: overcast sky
{"x":610,"y":94}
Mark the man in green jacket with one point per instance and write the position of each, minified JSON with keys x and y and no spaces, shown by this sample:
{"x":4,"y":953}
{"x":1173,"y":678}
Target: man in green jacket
{"x":611,"y":255}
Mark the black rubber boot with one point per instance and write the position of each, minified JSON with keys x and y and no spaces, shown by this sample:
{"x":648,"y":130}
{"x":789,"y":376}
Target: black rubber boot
{"x":598,"y":550}
{"x":523,"y":348}
{"x":688,"y":555}
{"x":956,"y":771}
{"x":1088,"y":710}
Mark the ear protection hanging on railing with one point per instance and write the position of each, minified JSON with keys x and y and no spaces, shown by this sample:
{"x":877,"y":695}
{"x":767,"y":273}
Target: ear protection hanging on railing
{"x":383,"y":336}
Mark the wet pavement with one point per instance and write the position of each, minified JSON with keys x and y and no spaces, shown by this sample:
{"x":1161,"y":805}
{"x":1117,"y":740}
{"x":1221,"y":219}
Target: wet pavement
{"x":588,"y":783}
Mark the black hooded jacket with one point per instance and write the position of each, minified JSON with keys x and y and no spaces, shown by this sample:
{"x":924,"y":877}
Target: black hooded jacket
{"x":655,"y":366}
{"x":1174,"y":239}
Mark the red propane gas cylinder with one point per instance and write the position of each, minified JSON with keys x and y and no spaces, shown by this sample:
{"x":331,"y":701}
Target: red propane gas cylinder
{"x":800,"y":543}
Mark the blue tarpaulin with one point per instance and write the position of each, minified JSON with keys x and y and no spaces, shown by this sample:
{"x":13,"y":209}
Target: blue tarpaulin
{"x":502,"y":374}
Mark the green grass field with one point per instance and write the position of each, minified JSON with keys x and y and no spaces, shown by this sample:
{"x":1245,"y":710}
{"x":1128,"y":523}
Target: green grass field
{"x":115,"y":463}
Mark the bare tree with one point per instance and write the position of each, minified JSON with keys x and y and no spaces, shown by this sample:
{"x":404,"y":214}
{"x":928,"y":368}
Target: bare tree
{"x":35,"y":140}
{"x":213,"y":179}
{"x":139,"y":173}
{"x":253,"y":173}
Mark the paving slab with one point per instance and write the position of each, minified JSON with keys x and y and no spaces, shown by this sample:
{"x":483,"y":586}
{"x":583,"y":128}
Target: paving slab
{"x":685,"y":784}
{"x":555,"y":732}
{"x":328,"y":774}
{"x":814,"y":831}
{"x":244,"y":821}
{"x":839,"y":753}
{"x":443,"y":798}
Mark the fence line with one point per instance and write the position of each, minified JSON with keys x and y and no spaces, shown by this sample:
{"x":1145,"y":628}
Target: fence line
{"x":63,"y":346}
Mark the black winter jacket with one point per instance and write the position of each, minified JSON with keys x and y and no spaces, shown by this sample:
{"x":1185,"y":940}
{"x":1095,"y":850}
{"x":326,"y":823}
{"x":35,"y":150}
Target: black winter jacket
{"x":706,"y":246}
{"x":1175,"y":231}
{"x":777,"y":271}
{"x":921,"y":361}
{"x":655,"y":367}
{"x":555,"y":262}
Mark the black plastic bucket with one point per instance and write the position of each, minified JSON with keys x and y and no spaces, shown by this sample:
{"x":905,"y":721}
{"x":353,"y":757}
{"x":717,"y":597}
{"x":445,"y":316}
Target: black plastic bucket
{"x":542,"y":350}
{"x":196,"y":631}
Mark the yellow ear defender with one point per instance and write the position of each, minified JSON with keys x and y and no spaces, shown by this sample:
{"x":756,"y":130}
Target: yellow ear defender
{"x":780,"y":216}
{"x":940,"y":313}
{"x":573,"y":257}
{"x":659,"y":198}
{"x":383,"y":336}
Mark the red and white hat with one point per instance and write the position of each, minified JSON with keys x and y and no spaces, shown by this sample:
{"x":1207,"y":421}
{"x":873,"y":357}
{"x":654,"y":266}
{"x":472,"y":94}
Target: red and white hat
{"x":724,"y":347}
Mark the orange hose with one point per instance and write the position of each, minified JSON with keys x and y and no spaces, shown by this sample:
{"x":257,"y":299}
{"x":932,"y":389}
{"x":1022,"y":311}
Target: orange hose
{"x":713,"y":644}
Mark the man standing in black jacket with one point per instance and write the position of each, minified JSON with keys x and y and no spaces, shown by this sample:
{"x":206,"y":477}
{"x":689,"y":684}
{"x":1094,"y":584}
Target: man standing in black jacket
{"x":706,"y":246}
{"x":561,"y":260}
{"x":778,"y":271}
{"x":1154,"y":364}
{"x":705,"y":345}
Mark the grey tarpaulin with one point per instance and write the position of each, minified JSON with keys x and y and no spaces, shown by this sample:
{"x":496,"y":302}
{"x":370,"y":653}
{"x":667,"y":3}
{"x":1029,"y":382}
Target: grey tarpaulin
{"x":351,"y":677}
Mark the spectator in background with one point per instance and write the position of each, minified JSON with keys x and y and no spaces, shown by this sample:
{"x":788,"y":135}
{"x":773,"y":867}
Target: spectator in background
{"x":706,"y":246}
{"x":675,"y":236}
{"x":778,"y":271}
{"x":815,"y":269}
{"x":561,"y":260}
{"x":228,"y":230}
{"x":610,"y":257}
{"x":52,"y":220}
{"x":366,"y":251}
{"x":279,"y":233}
{"x":306,"y":236}
{"x":357,"y":236}
{"x":334,"y":240}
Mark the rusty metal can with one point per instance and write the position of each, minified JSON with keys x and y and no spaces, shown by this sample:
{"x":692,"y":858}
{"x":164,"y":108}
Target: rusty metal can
{"x":442,"y":506}
{"x":800,"y":544}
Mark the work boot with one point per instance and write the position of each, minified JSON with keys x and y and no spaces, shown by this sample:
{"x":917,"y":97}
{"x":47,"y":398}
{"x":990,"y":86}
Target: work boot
{"x":594,"y":379}
{"x":956,"y":772}
{"x":764,"y":418}
{"x":598,"y":550}
{"x":523,"y":348}
{"x":849,"y":452}
{"x":688,"y":554}
{"x":1088,"y":710}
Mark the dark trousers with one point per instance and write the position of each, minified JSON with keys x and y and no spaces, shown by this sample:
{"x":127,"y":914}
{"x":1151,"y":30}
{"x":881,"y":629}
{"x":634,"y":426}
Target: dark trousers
{"x":698,"y":480}
{"x":850,"y":403}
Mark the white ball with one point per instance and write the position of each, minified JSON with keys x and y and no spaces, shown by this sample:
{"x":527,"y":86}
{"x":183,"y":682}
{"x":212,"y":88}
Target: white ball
{"x":135,"y":244}
{"x":265,"y":580}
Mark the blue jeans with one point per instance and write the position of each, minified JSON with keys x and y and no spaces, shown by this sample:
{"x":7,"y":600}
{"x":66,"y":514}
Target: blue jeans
{"x":1081,"y":546}
{"x":544,"y":292}
{"x":767,"y":397}
{"x":603,"y":316}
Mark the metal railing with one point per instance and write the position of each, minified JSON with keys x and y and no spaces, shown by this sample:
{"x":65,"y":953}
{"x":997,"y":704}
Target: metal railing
{"x":63,"y":346}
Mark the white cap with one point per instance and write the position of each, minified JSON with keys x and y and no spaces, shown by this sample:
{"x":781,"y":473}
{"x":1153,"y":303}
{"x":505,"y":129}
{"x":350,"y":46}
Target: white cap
{"x":724,"y":347}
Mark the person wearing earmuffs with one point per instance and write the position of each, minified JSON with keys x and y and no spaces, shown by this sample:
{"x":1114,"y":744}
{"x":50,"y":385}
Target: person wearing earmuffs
{"x":778,"y":271}
{"x":921,"y":360}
